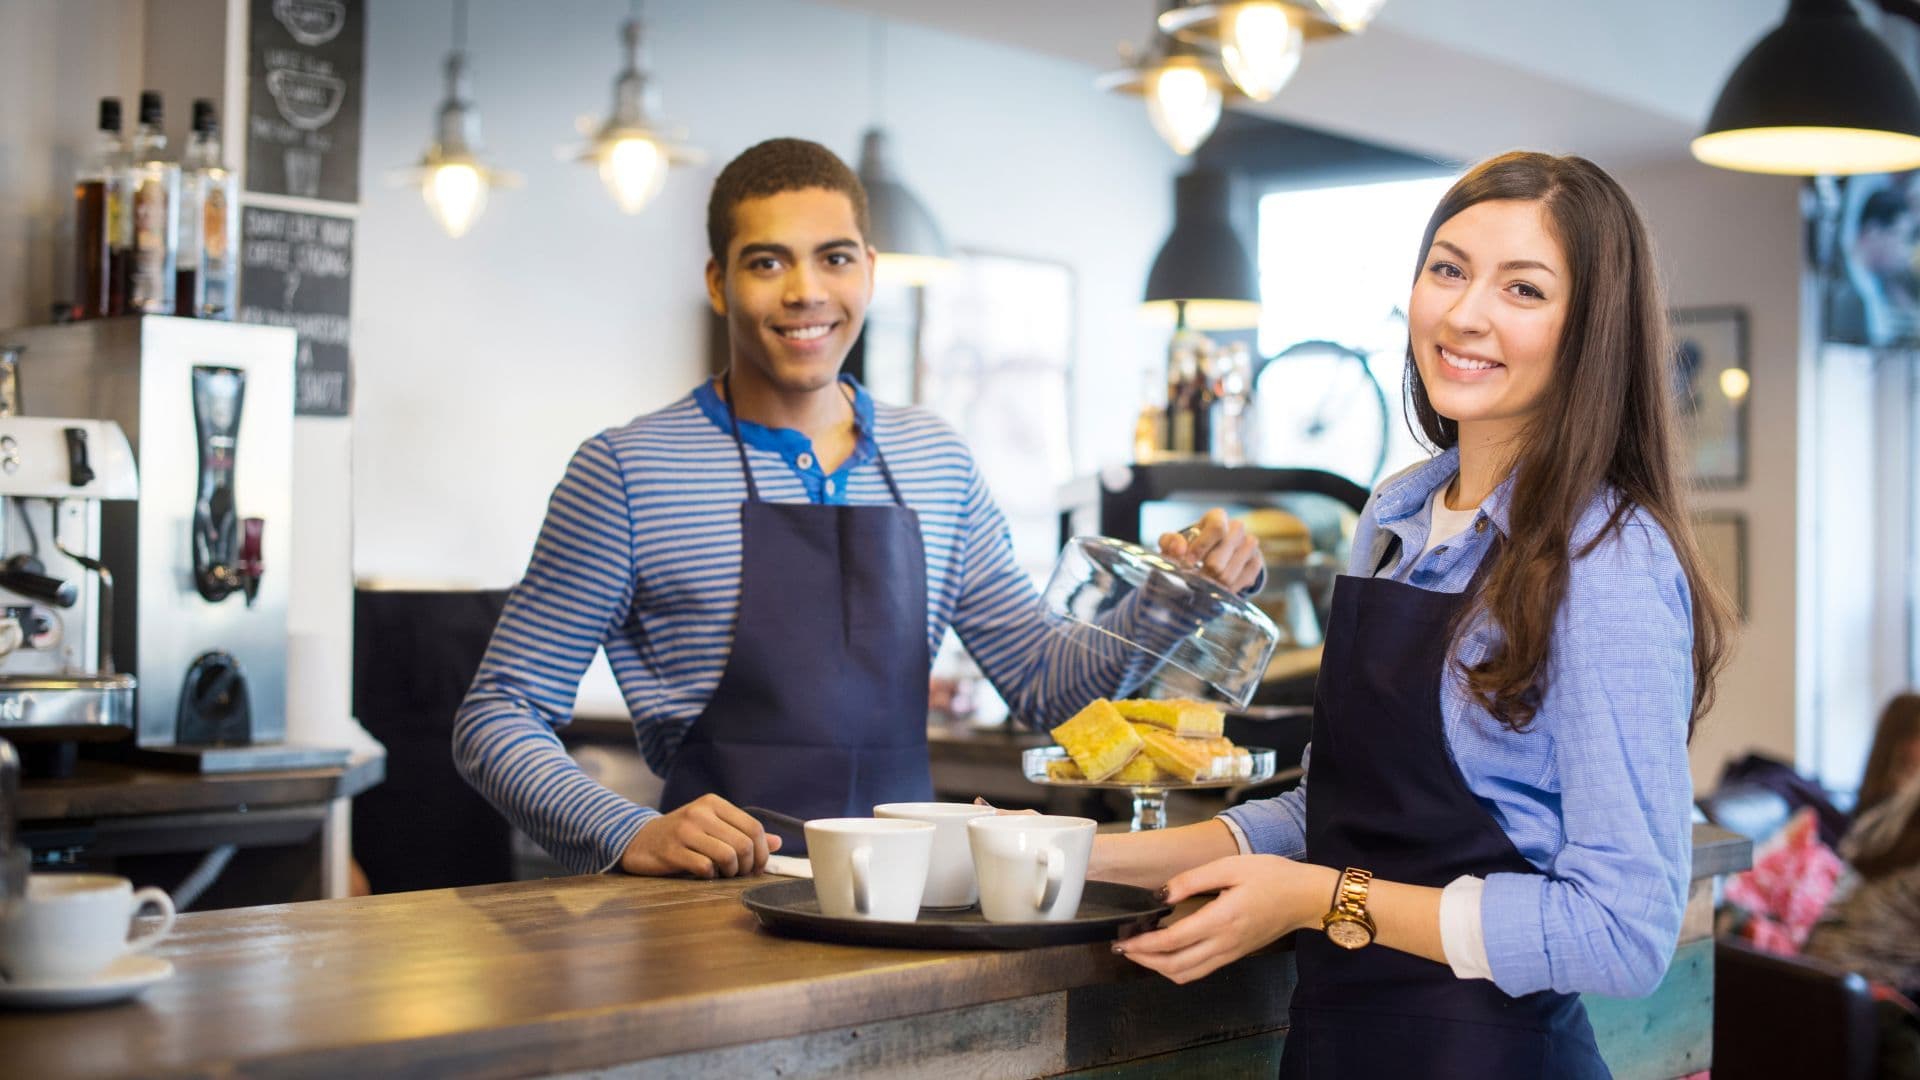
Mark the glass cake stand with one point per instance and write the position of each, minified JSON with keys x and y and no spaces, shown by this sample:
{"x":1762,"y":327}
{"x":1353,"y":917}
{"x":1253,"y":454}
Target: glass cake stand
{"x":1149,"y":800}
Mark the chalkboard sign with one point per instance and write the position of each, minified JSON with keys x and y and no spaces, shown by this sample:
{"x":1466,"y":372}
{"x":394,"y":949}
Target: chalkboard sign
{"x":297,"y":270}
{"x":304,"y":65}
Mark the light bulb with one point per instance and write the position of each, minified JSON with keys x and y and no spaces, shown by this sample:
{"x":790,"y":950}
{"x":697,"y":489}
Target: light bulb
{"x":1735,"y":383}
{"x":1184,"y":106}
{"x":455,"y":194}
{"x":634,"y":170}
{"x":1260,"y":47}
{"x":1352,"y":15}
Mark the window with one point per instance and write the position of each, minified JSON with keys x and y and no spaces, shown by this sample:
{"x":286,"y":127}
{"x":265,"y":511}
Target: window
{"x":1337,"y":264}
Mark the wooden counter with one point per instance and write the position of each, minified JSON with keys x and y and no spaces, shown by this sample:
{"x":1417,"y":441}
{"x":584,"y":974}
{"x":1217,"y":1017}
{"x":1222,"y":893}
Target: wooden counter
{"x":591,"y":972}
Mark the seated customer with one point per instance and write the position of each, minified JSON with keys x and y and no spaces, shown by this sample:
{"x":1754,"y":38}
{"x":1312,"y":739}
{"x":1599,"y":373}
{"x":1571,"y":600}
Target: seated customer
{"x":1872,"y":924}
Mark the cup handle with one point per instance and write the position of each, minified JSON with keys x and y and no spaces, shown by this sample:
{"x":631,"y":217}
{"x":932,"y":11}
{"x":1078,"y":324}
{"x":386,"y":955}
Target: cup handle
{"x":1054,"y":869}
{"x":153,"y":897}
{"x":862,"y":857}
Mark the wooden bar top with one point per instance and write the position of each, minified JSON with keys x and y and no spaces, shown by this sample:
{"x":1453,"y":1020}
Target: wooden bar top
{"x":517,"y":979}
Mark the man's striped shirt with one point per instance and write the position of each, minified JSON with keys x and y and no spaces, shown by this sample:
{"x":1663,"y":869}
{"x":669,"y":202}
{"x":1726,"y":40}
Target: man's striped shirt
{"x":640,"y":553}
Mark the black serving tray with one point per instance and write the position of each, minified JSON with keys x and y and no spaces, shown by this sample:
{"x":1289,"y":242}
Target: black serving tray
{"x":1107,"y":909}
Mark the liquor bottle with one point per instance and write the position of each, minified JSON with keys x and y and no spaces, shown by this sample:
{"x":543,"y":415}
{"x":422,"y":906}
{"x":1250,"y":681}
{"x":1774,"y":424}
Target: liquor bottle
{"x":209,"y":208}
{"x":1205,"y":393}
{"x":99,"y":219}
{"x":156,"y":214}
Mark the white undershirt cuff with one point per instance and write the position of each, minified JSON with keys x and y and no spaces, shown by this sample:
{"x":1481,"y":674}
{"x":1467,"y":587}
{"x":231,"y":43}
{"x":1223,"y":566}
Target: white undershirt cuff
{"x":1461,"y":935}
{"x":1239,"y":837}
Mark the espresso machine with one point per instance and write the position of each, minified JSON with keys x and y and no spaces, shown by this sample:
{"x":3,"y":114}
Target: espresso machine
{"x":200,"y":560}
{"x":58,"y":680}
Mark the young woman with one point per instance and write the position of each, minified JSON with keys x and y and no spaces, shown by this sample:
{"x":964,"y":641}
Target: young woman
{"x":1497,"y":814}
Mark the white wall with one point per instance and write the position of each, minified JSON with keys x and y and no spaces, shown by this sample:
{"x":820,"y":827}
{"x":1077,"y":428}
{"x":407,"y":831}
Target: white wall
{"x":1732,"y":239}
{"x":482,"y":363}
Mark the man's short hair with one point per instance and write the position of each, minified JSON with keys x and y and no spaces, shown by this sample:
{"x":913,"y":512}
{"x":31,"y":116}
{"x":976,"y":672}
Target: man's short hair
{"x":770,"y":168}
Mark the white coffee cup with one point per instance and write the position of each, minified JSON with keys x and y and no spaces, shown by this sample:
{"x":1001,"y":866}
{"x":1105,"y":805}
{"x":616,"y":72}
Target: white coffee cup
{"x":73,"y":926}
{"x":869,"y":868}
{"x":1030,"y":868}
{"x":950,"y":872}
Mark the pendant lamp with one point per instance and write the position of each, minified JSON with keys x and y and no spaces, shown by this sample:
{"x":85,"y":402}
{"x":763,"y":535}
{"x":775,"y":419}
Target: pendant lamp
{"x":1184,"y":84}
{"x":1260,"y":41}
{"x":1822,"y":94}
{"x":452,"y":177}
{"x":1202,"y":279}
{"x":631,"y":150}
{"x":908,"y":243}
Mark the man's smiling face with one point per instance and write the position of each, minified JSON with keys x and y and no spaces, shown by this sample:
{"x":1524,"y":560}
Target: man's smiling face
{"x":795,"y":288}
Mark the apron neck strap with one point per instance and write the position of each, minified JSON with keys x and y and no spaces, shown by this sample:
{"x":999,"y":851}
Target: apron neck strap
{"x":733,"y":417}
{"x":739,"y":444}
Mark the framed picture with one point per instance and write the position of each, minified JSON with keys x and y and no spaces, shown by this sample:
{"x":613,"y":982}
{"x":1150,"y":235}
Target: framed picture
{"x":995,"y":360}
{"x":1722,"y":535}
{"x":1712,"y":381}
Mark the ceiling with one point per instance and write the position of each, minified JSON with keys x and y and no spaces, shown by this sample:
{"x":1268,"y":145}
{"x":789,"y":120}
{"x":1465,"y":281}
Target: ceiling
{"x":1625,"y":82}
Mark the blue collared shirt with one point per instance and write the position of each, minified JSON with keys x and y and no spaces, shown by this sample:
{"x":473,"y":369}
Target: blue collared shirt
{"x":1596,"y":792}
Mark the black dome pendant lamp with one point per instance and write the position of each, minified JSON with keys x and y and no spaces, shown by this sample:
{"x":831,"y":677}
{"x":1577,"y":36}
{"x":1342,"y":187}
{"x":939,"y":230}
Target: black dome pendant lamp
{"x":1822,"y":94}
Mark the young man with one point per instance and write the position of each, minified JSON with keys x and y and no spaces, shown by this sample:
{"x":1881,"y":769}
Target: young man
{"x":769,"y":563}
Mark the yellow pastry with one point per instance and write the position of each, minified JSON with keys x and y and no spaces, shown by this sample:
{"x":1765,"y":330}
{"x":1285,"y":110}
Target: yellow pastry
{"x":1098,"y":740}
{"x":1064,"y":769}
{"x":1182,"y":759}
{"x":1179,"y":716}
{"x":1141,"y":770}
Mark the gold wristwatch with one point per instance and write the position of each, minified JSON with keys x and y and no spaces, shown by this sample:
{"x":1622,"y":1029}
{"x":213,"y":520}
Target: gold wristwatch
{"x":1347,"y":924}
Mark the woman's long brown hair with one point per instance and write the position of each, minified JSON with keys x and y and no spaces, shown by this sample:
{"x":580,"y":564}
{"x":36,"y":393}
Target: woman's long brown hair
{"x":1606,"y":423}
{"x":1899,"y":725}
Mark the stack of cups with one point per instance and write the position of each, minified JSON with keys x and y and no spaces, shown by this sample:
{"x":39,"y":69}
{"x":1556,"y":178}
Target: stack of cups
{"x":948,"y":856}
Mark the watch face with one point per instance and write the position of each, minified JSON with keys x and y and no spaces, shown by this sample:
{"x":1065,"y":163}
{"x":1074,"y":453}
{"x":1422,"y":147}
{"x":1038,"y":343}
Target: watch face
{"x":1348,"y":933}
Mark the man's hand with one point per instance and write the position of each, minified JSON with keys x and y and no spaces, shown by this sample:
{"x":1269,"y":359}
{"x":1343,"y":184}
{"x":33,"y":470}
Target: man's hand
{"x":707,"y":838}
{"x":1221,"y":548}
{"x":1262,"y":897}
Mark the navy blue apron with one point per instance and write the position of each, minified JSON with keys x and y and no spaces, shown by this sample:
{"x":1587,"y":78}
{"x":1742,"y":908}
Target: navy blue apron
{"x":822,"y":708}
{"x":1384,"y":795}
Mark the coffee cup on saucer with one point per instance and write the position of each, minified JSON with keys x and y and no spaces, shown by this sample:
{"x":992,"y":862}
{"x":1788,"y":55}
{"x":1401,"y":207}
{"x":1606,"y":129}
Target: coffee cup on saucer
{"x":72,"y":927}
{"x":869,"y":868}
{"x":1031,"y":868}
{"x":950,"y":881}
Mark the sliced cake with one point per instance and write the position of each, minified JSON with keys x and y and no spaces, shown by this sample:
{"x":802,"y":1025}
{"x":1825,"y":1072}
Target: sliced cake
{"x":1098,"y":739}
{"x":1183,"y":759}
{"x":1180,"y":716}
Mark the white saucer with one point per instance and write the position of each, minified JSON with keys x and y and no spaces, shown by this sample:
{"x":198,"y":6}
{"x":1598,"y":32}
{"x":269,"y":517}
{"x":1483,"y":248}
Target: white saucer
{"x":123,"y":978}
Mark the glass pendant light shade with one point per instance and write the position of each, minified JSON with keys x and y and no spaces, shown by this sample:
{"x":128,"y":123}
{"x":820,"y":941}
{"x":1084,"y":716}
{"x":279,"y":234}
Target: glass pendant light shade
{"x":1822,"y":94}
{"x":1259,"y":41}
{"x":456,"y":194}
{"x":1185,"y":90}
{"x":1183,"y":102}
{"x":1352,"y":15}
{"x":634,"y":170}
{"x":1202,"y":278}
{"x":451,"y":176}
{"x":631,"y":151}
{"x":1261,"y":48}
{"x":910,"y":247}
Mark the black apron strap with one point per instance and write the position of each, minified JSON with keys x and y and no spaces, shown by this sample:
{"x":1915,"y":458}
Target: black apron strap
{"x":733,"y":417}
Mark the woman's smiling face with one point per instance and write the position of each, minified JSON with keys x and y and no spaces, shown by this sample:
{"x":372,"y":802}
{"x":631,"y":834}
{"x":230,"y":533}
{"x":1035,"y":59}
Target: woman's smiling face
{"x":1486,"y":314}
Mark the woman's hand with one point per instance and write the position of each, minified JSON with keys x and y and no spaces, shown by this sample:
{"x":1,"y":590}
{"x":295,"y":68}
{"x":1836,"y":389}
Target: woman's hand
{"x":1219,"y":547}
{"x":1262,"y":898}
